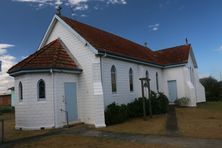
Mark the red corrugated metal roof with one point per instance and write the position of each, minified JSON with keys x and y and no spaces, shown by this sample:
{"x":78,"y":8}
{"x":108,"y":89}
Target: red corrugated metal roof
{"x":107,"y":42}
{"x":51,"y":56}
{"x":54,"y":55}
{"x":173,"y":55}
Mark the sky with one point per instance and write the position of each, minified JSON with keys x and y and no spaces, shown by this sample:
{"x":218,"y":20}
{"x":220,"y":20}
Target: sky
{"x":160,"y":23}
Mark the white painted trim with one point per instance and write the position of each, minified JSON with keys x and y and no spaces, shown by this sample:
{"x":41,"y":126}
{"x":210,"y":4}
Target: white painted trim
{"x":140,"y":62}
{"x":100,"y":125}
{"x":130,"y":60}
{"x":49,"y":30}
{"x":70,"y":29}
{"x":193,"y":57}
{"x":77,"y":71}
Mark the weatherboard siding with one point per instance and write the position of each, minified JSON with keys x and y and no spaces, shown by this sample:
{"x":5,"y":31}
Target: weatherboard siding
{"x":31,"y":113}
{"x":199,"y":89}
{"x":123,"y":94}
{"x":89,"y":106}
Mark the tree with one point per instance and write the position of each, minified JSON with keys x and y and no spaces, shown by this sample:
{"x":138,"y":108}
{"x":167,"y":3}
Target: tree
{"x":212,"y":88}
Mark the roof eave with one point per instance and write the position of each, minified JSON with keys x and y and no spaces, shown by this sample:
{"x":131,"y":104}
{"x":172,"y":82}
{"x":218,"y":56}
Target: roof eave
{"x":47,"y":70}
{"x":70,"y":29}
{"x":126,"y":58}
{"x":175,"y":65}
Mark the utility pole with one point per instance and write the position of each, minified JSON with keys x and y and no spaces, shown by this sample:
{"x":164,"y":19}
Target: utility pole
{"x":220,"y":76}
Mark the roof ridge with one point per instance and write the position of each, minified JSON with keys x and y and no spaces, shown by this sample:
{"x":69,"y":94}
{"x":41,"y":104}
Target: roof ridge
{"x":24,"y":62}
{"x":53,"y":55}
{"x":118,"y":36}
{"x":172,"y":47}
{"x":40,"y":51}
{"x":57,"y":51}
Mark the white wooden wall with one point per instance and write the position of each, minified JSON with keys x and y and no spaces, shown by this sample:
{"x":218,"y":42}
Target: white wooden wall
{"x":123,"y":94}
{"x":31,"y":113}
{"x":91,"y":104}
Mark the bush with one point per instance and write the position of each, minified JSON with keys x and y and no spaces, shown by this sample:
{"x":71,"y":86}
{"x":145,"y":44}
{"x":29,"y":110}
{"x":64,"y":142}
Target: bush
{"x":159,"y":103}
{"x":213,"y":88}
{"x":135,"y":108}
{"x":6,"y":109}
{"x":184,"y":101}
{"x":115,"y":113}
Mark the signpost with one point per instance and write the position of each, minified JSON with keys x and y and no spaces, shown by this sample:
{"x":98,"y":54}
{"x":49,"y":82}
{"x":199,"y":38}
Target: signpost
{"x":145,"y":83}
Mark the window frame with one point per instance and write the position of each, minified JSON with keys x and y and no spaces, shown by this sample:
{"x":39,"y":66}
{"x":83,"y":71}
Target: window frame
{"x":157,"y":82}
{"x":113,"y":79}
{"x":38,"y":90}
{"x":20,"y":91}
{"x":131,"y":80}
{"x":147,"y":74}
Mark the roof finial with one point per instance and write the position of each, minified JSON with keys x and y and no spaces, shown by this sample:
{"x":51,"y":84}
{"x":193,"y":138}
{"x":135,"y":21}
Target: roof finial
{"x":145,"y":44}
{"x":186,"y":41}
{"x":58,"y":10}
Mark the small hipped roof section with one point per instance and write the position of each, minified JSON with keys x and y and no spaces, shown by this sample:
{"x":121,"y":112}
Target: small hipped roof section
{"x":53,"y":56}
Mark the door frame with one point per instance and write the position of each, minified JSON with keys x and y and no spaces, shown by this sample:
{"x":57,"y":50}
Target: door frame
{"x":170,"y":100}
{"x":75,"y":101}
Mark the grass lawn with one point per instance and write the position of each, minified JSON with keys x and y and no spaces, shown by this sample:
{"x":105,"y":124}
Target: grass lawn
{"x":156,"y":126}
{"x":205,"y":121}
{"x":86,"y":142}
{"x":11,"y":133}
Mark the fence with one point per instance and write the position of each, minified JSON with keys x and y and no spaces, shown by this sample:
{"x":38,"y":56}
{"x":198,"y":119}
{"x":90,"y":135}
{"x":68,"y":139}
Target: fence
{"x":1,"y":130}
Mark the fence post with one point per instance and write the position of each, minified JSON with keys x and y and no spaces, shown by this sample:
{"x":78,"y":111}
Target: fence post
{"x":2,"y":131}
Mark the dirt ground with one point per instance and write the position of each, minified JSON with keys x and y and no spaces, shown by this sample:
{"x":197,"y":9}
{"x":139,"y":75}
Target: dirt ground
{"x":155,"y":126}
{"x":10,"y":133}
{"x":87,"y":142}
{"x":204,"y":121}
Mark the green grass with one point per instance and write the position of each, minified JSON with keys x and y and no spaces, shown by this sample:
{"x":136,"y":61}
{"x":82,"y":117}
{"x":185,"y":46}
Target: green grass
{"x":211,"y":106}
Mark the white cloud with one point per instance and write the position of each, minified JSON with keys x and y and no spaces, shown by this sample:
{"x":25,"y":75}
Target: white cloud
{"x":203,"y":75}
{"x":77,"y":2}
{"x":76,"y":5}
{"x":116,"y":2}
{"x":7,"y":62}
{"x":154,"y":27}
{"x":3,"y":48}
{"x":219,"y":49}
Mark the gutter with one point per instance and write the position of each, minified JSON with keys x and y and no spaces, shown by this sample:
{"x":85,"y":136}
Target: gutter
{"x":53,"y":92}
{"x":20,"y":72}
{"x":129,"y":59}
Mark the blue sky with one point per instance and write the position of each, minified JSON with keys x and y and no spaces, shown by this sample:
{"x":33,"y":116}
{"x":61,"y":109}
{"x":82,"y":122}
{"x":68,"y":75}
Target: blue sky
{"x":160,"y":23}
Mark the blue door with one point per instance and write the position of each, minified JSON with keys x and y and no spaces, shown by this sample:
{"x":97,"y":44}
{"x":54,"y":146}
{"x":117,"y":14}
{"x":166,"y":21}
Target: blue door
{"x":71,"y":101}
{"x":172,"y":90}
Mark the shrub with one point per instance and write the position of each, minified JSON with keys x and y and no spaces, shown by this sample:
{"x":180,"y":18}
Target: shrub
{"x":135,"y":108}
{"x":115,"y":114}
{"x":164,"y":103}
{"x":184,"y":101}
{"x":159,"y":103}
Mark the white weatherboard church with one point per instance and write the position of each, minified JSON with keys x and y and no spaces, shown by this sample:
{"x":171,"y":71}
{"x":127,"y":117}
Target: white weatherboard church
{"x":80,"y":70}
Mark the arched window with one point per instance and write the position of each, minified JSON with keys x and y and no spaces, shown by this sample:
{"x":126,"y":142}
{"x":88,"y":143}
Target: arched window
{"x":113,"y":78}
{"x":157,"y":82}
{"x":147,"y":74}
{"x":41,"y":89}
{"x":131,"y":79}
{"x":20,"y":91}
